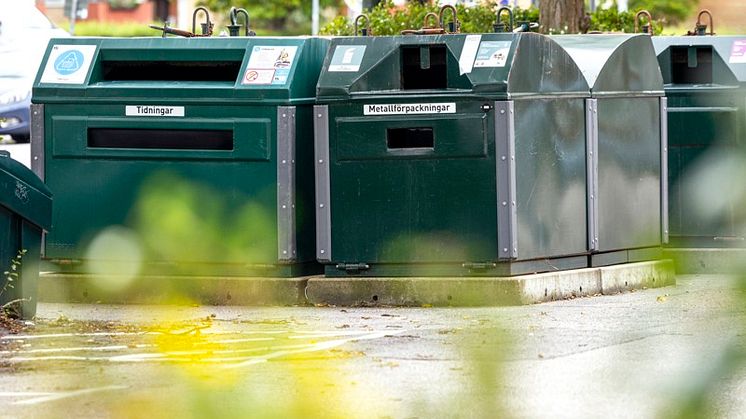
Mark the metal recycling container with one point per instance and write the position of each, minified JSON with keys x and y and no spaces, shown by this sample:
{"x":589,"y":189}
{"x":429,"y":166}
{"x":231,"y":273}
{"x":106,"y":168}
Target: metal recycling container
{"x":626,"y":146}
{"x":705,"y":83}
{"x":199,"y":148}
{"x":451,"y":155}
{"x":25,"y":212}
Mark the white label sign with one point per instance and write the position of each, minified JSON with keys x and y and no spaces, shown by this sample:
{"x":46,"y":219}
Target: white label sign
{"x":269,"y":65}
{"x":68,"y":64}
{"x":409,"y":108}
{"x":347,"y":58}
{"x":466,"y":61}
{"x":149,"y":110}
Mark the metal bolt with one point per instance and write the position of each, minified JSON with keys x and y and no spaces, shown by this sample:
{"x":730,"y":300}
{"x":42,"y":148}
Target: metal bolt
{"x":505,"y":250}
{"x":284,"y":252}
{"x":502,"y":158}
{"x":505,"y":203}
{"x":319,"y":115}
{"x":284,"y":115}
{"x":322,"y":251}
{"x":321,"y":205}
{"x":284,"y":206}
{"x":502,"y":111}
{"x":321,"y":161}
{"x":284,"y":161}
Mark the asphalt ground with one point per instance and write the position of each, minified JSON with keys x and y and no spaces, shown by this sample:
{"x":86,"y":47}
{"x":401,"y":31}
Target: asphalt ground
{"x":652,"y":353}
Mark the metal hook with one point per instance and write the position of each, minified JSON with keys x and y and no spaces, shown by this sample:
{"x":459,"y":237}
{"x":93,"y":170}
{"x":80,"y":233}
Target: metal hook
{"x":236,"y":12}
{"x":206,"y":26}
{"x":454,"y":26}
{"x":498,"y":26}
{"x":645,"y":28}
{"x":364,"y":31}
{"x":701,"y":29}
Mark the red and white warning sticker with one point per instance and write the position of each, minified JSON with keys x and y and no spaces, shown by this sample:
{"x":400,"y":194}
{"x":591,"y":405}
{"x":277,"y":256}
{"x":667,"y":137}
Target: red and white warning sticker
{"x":258,"y":76}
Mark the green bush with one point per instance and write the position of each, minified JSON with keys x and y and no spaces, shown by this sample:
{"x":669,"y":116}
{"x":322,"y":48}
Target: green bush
{"x":90,"y":28}
{"x":385,"y":19}
{"x":669,"y":11}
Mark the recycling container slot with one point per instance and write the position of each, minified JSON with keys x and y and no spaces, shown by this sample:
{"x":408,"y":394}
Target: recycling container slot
{"x":424,"y":67}
{"x":217,"y":71}
{"x":404,"y":138}
{"x":691,"y":65}
{"x":160,"y":139}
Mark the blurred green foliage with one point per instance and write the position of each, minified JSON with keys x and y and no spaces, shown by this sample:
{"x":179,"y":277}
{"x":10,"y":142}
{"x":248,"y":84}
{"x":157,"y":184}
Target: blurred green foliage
{"x":669,"y":11}
{"x":287,"y":17}
{"x":130,"y":29}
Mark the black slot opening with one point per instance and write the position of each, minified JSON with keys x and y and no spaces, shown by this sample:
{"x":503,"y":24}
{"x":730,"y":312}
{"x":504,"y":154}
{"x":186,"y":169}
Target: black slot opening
{"x":171,"y":70}
{"x":402,"y":138}
{"x":691,"y":65}
{"x":160,"y":139}
{"x":424,"y":67}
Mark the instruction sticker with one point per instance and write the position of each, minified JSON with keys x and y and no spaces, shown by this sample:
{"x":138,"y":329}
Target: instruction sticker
{"x":492,"y":54}
{"x":68,"y":64}
{"x":269,"y":65}
{"x":347,"y":58}
{"x":409,"y":108}
{"x":466,"y":60}
{"x":738,"y":52}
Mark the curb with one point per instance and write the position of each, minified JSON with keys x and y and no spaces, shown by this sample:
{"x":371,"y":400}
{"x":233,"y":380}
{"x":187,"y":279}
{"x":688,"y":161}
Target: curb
{"x":357,"y":291}
{"x":519,"y":290}
{"x":204,"y":290}
{"x":708,"y":260}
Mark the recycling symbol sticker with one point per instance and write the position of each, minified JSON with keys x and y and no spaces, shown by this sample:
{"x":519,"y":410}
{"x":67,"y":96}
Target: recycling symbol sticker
{"x":69,"y":62}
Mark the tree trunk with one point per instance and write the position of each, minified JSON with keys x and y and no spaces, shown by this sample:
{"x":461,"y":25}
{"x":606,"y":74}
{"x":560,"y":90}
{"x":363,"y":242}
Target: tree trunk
{"x":561,"y":16}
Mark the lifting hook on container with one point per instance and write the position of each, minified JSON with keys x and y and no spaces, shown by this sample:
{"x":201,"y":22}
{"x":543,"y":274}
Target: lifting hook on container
{"x":173,"y":31}
{"x":648,"y":27}
{"x":234,"y":28}
{"x":435,"y":29}
{"x":700,"y":29}
{"x":365,"y":30}
{"x":499,"y":26}
{"x":206,"y":25}
{"x":454,"y":26}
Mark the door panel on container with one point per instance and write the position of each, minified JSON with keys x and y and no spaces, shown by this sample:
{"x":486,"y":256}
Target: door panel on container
{"x":550,"y":177}
{"x":420,"y":204}
{"x":629,"y":173}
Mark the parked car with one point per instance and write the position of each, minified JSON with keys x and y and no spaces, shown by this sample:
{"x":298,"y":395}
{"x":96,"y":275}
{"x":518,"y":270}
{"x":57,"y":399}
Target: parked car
{"x":24,"y":35}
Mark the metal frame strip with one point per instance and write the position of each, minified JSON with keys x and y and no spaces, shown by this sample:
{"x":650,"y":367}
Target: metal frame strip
{"x":37,"y":139}
{"x":507,"y":216}
{"x":286,"y":240}
{"x":591,"y":150}
{"x":664,"y":169}
{"x":323,"y":194}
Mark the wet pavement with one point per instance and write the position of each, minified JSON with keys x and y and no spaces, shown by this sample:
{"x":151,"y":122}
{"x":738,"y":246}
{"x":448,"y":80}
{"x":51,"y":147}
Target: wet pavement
{"x":639,"y":354}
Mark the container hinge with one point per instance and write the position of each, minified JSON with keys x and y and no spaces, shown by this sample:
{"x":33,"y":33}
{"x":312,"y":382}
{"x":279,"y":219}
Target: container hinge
{"x":479,"y":266}
{"x":353,"y":267}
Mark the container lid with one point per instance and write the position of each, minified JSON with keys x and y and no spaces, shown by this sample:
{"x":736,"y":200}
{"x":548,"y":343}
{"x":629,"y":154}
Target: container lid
{"x":197,"y":70}
{"x":23,"y":193}
{"x":722,"y":59}
{"x":494,"y":65}
{"x":615,"y":64}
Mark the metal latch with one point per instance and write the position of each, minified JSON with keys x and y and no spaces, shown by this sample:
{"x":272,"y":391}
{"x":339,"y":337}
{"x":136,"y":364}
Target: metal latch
{"x":353,"y":267}
{"x":479,"y":266}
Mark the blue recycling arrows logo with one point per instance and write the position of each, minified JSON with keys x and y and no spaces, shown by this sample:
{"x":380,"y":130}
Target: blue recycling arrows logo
{"x":68,"y":62}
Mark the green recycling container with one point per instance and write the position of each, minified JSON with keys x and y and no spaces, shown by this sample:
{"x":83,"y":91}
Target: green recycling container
{"x":626,"y":146}
{"x":705,"y":83}
{"x":450,"y":155}
{"x":25,"y":212}
{"x":197,"y":152}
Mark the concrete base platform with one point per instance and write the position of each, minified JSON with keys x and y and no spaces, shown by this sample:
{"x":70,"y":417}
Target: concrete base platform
{"x":81,"y":288}
{"x":359,"y":291}
{"x":524,"y":289}
{"x":708,"y":260}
